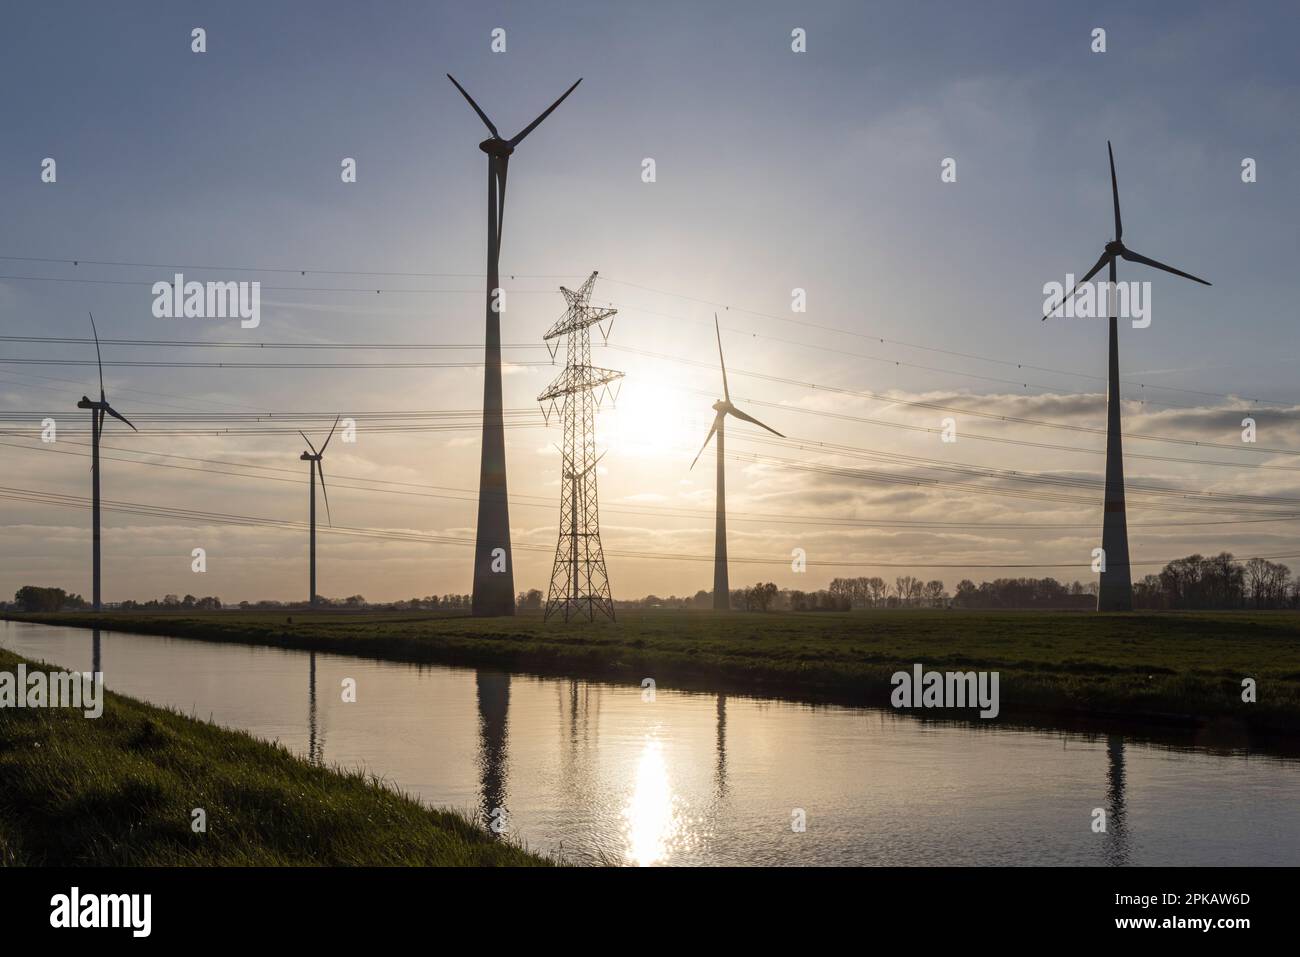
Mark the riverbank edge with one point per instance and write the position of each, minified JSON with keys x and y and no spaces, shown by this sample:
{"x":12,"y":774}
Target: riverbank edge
{"x":145,"y":759}
{"x":1038,"y":698}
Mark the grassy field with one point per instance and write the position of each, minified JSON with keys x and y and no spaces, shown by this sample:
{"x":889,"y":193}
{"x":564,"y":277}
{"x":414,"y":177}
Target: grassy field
{"x":120,"y":790}
{"x":1146,"y":668}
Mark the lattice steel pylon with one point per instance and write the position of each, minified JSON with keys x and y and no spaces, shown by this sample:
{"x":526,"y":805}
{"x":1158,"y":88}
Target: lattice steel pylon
{"x":579,"y":581}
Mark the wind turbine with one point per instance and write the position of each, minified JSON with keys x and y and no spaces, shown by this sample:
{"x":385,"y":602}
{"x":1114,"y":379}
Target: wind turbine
{"x":494,"y":587}
{"x":97,"y":412}
{"x":724,"y":408}
{"x":314,"y":458}
{"x":1115,"y":591}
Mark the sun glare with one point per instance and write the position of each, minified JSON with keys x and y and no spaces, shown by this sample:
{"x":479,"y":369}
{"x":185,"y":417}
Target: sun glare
{"x":651,"y":817}
{"x":649,"y":421}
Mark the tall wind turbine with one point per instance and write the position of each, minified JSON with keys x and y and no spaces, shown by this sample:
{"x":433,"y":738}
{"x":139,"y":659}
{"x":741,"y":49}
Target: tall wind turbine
{"x":1115,"y":591}
{"x":494,"y":577}
{"x":724,"y":408}
{"x":97,"y":412}
{"x":314,"y":458}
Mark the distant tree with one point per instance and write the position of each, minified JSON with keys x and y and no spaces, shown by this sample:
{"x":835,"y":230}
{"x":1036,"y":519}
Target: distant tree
{"x":876,"y":591}
{"x":35,"y":598}
{"x":908,"y":589}
{"x":760,"y":597}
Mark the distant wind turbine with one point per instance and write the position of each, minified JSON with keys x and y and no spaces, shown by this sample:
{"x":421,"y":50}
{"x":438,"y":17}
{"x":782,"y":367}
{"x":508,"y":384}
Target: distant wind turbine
{"x":97,"y":412}
{"x":314,"y":458}
{"x":1115,"y":591}
{"x":724,"y":408}
{"x":494,"y":590}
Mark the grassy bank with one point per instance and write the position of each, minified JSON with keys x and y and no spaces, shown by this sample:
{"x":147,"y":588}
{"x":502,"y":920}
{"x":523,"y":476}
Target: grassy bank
{"x":120,"y":790}
{"x":1142,"y":667}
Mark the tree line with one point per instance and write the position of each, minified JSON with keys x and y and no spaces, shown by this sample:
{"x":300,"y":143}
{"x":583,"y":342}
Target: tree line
{"x":1194,"y":582}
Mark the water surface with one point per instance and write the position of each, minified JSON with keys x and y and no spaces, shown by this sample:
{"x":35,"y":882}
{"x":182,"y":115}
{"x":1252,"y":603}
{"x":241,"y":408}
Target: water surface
{"x":594,"y":772}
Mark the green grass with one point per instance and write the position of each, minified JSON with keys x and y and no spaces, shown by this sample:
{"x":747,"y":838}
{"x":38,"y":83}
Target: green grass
{"x":1142,"y":667}
{"x":120,"y":789}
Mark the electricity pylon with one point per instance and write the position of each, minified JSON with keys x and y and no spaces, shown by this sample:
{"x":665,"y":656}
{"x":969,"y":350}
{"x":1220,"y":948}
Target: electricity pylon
{"x":579,"y":581}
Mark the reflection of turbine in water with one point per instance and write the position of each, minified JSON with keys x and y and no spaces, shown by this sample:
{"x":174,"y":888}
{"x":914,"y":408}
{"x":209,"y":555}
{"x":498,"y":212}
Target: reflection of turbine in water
{"x":1116,"y":829}
{"x":583,"y":719}
{"x":493,"y":709}
{"x":651,"y":819}
{"x":579,"y":783}
{"x":720,"y":782}
{"x":95,"y":667}
{"x":315,"y":736}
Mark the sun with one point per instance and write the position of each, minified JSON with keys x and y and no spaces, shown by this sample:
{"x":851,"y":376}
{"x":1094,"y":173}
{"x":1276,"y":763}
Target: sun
{"x":649,"y":421}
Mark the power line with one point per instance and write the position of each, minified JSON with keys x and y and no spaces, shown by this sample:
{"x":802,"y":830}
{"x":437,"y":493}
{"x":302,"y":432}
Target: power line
{"x":1024,"y":443}
{"x":661,"y":356}
{"x":415,"y":346}
{"x":806,"y":467}
{"x":535,"y":501}
{"x":237,"y":344}
{"x":35,"y":496}
{"x":532,"y":414}
{"x":712,"y":304}
{"x":259,"y":365}
{"x":367,"y":290}
{"x":917,"y":403}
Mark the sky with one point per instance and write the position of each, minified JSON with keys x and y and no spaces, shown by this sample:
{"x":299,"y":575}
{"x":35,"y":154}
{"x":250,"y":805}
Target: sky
{"x":775,"y":170}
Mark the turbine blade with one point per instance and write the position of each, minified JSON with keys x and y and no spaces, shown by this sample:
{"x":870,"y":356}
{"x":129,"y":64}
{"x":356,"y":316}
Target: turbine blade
{"x":749,"y":418}
{"x":320,"y":468}
{"x":725,"y":391}
{"x":331,"y":435}
{"x":1133,"y":257}
{"x":716,"y":419}
{"x":308,"y":441}
{"x":1114,"y":192}
{"x":592,"y":466}
{"x":519,"y":137}
{"x":1105,"y":258}
{"x":119,"y":416}
{"x":98,"y":360}
{"x":481,"y":115}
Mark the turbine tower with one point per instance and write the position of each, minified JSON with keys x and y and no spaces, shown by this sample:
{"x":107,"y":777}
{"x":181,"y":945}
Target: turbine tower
{"x":724,"y":408}
{"x":314,"y":458}
{"x":579,"y":581}
{"x":1115,"y":591}
{"x":494,"y":577}
{"x":97,"y":412}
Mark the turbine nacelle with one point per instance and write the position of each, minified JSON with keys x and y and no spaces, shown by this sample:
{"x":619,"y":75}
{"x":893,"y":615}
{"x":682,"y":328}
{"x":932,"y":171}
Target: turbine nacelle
{"x":495,"y":146}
